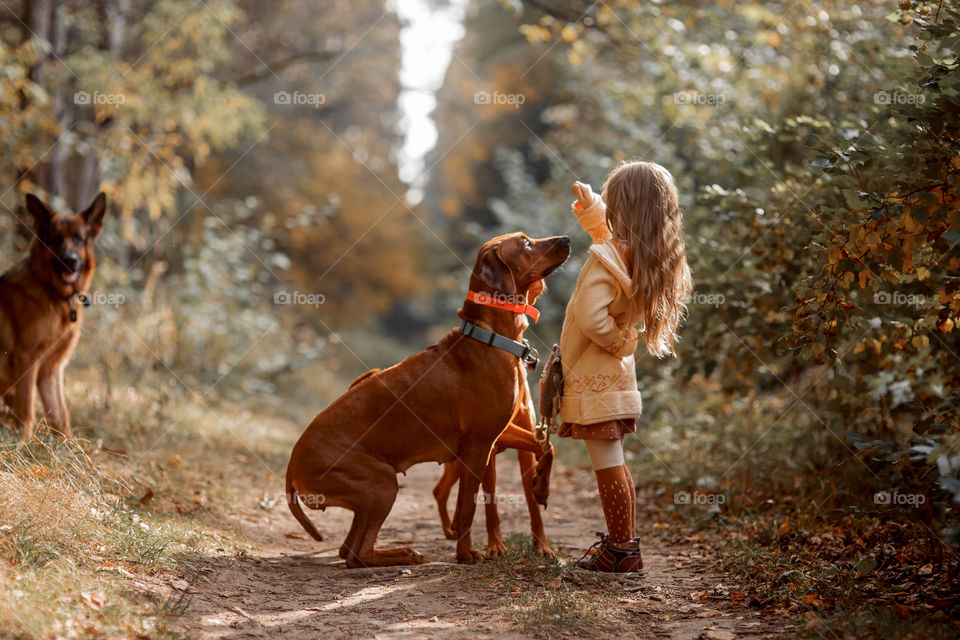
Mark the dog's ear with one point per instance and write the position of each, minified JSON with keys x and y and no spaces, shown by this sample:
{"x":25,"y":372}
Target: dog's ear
{"x":495,"y":272}
{"x":42,"y":215}
{"x":93,"y":215}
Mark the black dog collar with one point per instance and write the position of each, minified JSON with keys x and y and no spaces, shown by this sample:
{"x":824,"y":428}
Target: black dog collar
{"x":522,"y":350}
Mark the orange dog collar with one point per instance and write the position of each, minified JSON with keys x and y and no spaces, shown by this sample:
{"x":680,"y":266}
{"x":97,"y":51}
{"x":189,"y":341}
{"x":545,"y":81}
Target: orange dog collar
{"x":493,"y":301}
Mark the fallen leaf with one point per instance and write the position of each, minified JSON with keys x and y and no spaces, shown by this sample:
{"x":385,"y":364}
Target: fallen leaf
{"x":147,"y":497}
{"x":295,"y":536}
{"x":556,"y":583}
{"x":718,"y":634}
{"x":94,"y":599}
{"x":179,"y":585}
{"x":811,"y":599}
{"x":865,"y":565}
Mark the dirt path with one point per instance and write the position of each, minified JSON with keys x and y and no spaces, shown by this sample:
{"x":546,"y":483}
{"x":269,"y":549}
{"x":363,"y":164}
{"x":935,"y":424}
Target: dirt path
{"x":298,"y":588}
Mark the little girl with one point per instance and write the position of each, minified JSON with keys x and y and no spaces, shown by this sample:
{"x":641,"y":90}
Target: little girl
{"x":637,"y":273}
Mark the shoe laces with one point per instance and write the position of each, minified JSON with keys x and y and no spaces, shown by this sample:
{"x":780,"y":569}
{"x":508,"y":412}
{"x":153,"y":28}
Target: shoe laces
{"x":597,"y":546}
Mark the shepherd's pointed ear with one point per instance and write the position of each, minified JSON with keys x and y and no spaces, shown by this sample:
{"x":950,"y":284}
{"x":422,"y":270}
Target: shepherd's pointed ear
{"x":93,"y":215}
{"x":42,"y":215}
{"x":495,"y":273}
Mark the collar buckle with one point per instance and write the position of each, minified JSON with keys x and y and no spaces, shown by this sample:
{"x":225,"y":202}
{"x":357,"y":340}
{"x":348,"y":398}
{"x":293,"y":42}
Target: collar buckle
{"x":530,"y":357}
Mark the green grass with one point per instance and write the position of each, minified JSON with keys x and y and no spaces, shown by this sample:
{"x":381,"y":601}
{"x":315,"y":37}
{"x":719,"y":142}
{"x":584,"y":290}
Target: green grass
{"x":544,"y":596}
{"x":91,"y":530}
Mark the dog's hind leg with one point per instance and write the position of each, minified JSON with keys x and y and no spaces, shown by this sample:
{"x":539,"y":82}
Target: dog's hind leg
{"x":451,"y":472}
{"x":370,"y":512}
{"x":350,"y":541}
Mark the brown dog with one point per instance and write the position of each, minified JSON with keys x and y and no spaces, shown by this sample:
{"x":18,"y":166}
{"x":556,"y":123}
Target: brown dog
{"x":536,"y":479}
{"x":519,"y":436}
{"x":41,"y":310}
{"x":450,"y":401}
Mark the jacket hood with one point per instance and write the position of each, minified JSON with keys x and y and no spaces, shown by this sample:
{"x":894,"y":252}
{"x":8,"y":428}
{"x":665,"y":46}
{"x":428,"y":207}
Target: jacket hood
{"x":609,"y":256}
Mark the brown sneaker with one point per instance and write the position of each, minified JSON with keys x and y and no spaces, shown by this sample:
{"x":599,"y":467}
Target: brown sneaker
{"x":612,"y":557}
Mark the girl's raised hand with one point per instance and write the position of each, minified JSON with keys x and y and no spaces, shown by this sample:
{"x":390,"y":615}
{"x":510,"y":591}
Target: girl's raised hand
{"x":584,"y":194}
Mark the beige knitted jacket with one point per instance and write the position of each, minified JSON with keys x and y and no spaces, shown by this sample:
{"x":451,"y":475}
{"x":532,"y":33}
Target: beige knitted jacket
{"x":598,"y":341}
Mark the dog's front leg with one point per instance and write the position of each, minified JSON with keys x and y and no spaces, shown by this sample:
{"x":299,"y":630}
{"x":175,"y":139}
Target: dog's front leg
{"x":472,"y":466}
{"x":54,"y":404}
{"x":495,"y":544}
{"x":24,"y":394}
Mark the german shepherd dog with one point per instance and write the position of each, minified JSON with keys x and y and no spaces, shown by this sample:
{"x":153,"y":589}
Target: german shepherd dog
{"x":41,"y":310}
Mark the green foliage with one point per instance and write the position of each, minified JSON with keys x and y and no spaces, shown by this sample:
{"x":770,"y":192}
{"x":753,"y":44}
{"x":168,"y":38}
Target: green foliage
{"x":815,"y":150}
{"x":875,"y":294}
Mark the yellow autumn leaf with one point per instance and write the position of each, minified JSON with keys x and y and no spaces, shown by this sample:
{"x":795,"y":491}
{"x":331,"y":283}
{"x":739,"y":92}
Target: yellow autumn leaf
{"x":922,"y":273}
{"x":908,"y":222}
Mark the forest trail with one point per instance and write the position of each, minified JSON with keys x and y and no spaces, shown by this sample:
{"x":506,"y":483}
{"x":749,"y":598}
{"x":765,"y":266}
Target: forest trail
{"x":298,"y":588}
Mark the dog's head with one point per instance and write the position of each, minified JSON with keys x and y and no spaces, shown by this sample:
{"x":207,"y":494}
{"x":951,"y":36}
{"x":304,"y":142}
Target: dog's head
{"x":515,"y":265}
{"x":64,"y":242}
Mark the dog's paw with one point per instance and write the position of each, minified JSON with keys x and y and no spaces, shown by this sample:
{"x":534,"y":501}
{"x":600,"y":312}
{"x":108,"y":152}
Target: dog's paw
{"x":449,"y":534}
{"x":469,"y":558}
{"x":544,"y":549}
{"x":496,"y":548}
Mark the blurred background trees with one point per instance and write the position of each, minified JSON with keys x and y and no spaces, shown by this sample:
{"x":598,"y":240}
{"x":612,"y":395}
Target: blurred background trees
{"x":250,"y":151}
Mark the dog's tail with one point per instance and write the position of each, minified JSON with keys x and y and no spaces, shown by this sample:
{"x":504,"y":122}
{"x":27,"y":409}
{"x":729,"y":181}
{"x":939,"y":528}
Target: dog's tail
{"x":294,"y":503}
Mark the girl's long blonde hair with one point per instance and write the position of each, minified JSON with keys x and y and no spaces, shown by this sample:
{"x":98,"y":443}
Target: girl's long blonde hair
{"x":644,"y":215}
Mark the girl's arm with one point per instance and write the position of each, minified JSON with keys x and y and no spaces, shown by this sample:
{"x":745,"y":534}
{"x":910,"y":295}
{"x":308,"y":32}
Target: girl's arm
{"x":596,"y":291}
{"x":591,"y":212}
